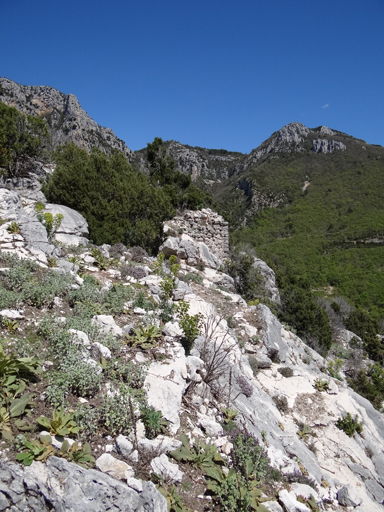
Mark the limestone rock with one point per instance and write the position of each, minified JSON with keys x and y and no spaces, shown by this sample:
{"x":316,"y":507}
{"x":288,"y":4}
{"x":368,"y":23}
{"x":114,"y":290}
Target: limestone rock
{"x":169,"y":471}
{"x":75,"y":124}
{"x":269,"y":279}
{"x":327,"y":146}
{"x":290,"y":503}
{"x":59,"y":485}
{"x":161,"y":444}
{"x":123,"y":445}
{"x":107,"y":324}
{"x":347,"y":497}
{"x":276,"y":348}
{"x":113,"y":467}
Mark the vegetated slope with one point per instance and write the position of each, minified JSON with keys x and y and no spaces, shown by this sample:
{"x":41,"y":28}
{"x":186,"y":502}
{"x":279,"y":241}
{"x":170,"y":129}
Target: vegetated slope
{"x":66,"y":120}
{"x":317,"y":216}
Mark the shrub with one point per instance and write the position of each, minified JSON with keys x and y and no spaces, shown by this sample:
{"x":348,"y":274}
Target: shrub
{"x":370,"y":384}
{"x":300,"y":310}
{"x":254,"y":365}
{"x":281,"y":403}
{"x":136,"y":272}
{"x":119,"y":204}
{"x":191,"y":277}
{"x":22,"y":139}
{"x":350,"y":425}
{"x":154,"y":422}
{"x":141,"y":301}
{"x":364,"y":326}
{"x":190,"y":324}
{"x":117,"y":250}
{"x":247,"y":453}
{"x":13,"y":228}
{"x":286,"y":371}
{"x":138,"y":254}
{"x":116,"y":413}
{"x":245,"y":386}
{"x":87,"y":418}
{"x":321,"y":385}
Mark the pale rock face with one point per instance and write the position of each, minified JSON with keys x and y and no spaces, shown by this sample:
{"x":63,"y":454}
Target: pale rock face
{"x":76,"y":125}
{"x":327,"y":146}
{"x":347,"y":497}
{"x":165,"y":384}
{"x":167,"y":470}
{"x":113,"y":467}
{"x":67,"y":486}
{"x":108,"y":325}
{"x":290,"y":503}
{"x":269,"y":280}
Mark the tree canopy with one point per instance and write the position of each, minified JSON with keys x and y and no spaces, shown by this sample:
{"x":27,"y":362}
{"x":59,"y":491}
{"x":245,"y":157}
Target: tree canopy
{"x":21,"y":139}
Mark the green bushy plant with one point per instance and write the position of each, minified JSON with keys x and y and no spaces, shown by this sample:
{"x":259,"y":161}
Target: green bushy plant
{"x":145,"y":337}
{"x":117,"y":412}
{"x":191,"y":325}
{"x":350,"y":425}
{"x":154,"y":422}
{"x":61,"y":424}
{"x":13,"y":228}
{"x":370,"y":384}
{"x":321,"y":385}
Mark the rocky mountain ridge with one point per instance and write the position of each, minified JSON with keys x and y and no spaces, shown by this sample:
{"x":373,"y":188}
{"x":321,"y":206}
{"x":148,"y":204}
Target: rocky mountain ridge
{"x":66,"y":120}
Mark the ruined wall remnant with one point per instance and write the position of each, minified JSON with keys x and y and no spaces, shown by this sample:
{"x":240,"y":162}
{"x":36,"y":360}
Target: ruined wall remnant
{"x":202,"y":226}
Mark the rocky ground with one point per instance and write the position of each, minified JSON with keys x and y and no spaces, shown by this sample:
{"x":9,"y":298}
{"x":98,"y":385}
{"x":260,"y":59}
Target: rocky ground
{"x":244,"y":370}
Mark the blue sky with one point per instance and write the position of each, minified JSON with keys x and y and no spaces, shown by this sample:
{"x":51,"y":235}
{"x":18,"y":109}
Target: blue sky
{"x":216,"y":74}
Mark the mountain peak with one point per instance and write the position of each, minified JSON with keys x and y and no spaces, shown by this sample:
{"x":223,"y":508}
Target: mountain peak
{"x":66,"y":120}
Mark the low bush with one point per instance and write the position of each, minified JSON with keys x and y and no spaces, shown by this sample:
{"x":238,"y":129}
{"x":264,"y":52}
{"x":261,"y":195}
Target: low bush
{"x":281,"y":403}
{"x":350,"y":425}
{"x":132,"y":271}
{"x":286,"y":371}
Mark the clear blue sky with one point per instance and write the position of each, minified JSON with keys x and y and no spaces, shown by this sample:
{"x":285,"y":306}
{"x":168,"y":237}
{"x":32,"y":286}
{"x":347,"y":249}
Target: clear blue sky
{"x":216,"y":74}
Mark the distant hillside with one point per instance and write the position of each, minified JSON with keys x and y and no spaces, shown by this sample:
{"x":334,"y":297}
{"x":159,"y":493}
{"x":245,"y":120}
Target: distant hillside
{"x":311,"y":203}
{"x":66,"y":120}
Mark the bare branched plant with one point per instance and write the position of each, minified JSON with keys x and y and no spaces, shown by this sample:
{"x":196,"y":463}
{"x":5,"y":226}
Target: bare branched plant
{"x":217,"y":345}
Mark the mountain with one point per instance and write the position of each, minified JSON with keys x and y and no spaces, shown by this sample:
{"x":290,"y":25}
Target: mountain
{"x":209,"y":164}
{"x":66,"y":120}
{"x":310,"y":202}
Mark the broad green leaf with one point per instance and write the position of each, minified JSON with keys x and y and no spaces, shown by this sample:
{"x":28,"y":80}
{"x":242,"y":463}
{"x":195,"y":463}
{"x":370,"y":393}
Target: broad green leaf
{"x":44,"y":422}
{"x":18,"y":406}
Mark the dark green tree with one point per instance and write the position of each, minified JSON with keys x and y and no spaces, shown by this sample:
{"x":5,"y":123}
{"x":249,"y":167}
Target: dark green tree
{"x":119,"y":204}
{"x":178,"y":186}
{"x":22,"y":138}
{"x":364,"y":326}
{"x":301,"y":311}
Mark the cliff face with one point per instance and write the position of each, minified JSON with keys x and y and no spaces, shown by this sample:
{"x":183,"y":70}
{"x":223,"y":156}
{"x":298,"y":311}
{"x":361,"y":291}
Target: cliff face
{"x":66,"y":120}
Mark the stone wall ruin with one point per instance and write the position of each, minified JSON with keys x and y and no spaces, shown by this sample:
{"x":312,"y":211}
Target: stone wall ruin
{"x":202,"y":226}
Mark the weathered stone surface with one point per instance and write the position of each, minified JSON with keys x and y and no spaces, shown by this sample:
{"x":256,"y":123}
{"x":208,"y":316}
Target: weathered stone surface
{"x":161,"y":444}
{"x":62,"y":486}
{"x":123,"y":445}
{"x":113,"y":467}
{"x":290,"y":503}
{"x":269,"y":279}
{"x":75,"y":124}
{"x":108,"y":324}
{"x":11,"y":313}
{"x":327,"y":146}
{"x":376,"y":490}
{"x":169,"y":471}
{"x":166,"y":383}
{"x":275,"y":347}
{"x":347,"y":497}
